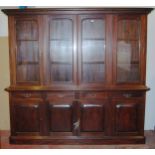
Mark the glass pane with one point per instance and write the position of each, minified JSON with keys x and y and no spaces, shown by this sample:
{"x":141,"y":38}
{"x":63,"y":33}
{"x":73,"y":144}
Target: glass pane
{"x":28,"y":73}
{"x":27,"y":51}
{"x":93,"y":28}
{"x":61,"y":49}
{"x":93,"y":50}
{"x":93,"y":72}
{"x":61,"y":29}
{"x":61,"y":72}
{"x":128,"y":69}
{"x":128,"y":29}
{"x":27,"y":30}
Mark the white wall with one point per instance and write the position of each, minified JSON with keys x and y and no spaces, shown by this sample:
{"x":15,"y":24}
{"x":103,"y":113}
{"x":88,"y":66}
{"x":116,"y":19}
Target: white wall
{"x":3,"y":25}
{"x":150,"y":78}
{"x":150,"y":100}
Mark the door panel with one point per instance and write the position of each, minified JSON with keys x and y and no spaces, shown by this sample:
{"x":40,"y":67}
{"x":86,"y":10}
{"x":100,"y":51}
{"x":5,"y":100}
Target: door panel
{"x":27,"y":116}
{"x":92,"y":41}
{"x":128,"y":33}
{"x":60,"y":116}
{"x":93,"y":117}
{"x":129,"y":121}
{"x":27,"y":51}
{"x":128,"y":117}
{"x":61,"y":63}
{"x":24,"y":122}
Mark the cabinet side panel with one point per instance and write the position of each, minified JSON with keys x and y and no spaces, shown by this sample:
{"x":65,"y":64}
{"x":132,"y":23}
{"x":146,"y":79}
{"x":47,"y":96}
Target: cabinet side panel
{"x":143,"y":47}
{"x":12,"y":47}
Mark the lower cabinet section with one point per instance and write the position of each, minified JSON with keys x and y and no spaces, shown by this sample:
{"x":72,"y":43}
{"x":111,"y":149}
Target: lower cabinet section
{"x":57,"y":119}
{"x":84,"y":118}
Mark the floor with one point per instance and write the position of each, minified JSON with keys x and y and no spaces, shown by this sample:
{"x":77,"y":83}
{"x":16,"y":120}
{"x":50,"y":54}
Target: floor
{"x":150,"y":144}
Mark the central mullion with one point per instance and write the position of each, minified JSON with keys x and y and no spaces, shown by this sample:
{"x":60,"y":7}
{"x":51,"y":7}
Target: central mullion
{"x":75,"y":50}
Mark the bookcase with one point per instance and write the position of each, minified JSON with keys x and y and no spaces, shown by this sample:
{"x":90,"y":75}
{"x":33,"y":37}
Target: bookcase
{"x":77,"y":75}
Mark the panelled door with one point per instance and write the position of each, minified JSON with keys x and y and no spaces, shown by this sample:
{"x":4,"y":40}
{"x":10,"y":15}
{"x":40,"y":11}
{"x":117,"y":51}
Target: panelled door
{"x":93,"y":118}
{"x":28,"y":117}
{"x":60,"y":118}
{"x":128,"y":116}
{"x":61,"y":113}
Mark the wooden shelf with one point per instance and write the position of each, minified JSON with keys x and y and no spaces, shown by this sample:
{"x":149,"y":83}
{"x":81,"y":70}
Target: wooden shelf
{"x":93,"y":39}
{"x":63,"y":63}
{"x":65,"y":39}
{"x":26,"y":40}
{"x":27,"y":63}
{"x":127,"y":40}
{"x":131,"y":62}
{"x":93,"y":62}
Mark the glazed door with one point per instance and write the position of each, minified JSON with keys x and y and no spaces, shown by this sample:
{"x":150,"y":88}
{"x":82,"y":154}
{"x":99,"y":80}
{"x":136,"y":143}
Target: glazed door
{"x":27,"y":55}
{"x":61,"y":52}
{"x":92,"y":49}
{"x":128,"y":49}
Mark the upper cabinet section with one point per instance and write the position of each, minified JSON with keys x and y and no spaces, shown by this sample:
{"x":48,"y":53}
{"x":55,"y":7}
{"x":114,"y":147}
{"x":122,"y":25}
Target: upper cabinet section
{"x":78,"y":48}
{"x":27,"y":50}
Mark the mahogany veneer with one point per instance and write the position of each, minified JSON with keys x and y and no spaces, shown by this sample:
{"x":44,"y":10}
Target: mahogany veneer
{"x":77,"y":75}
